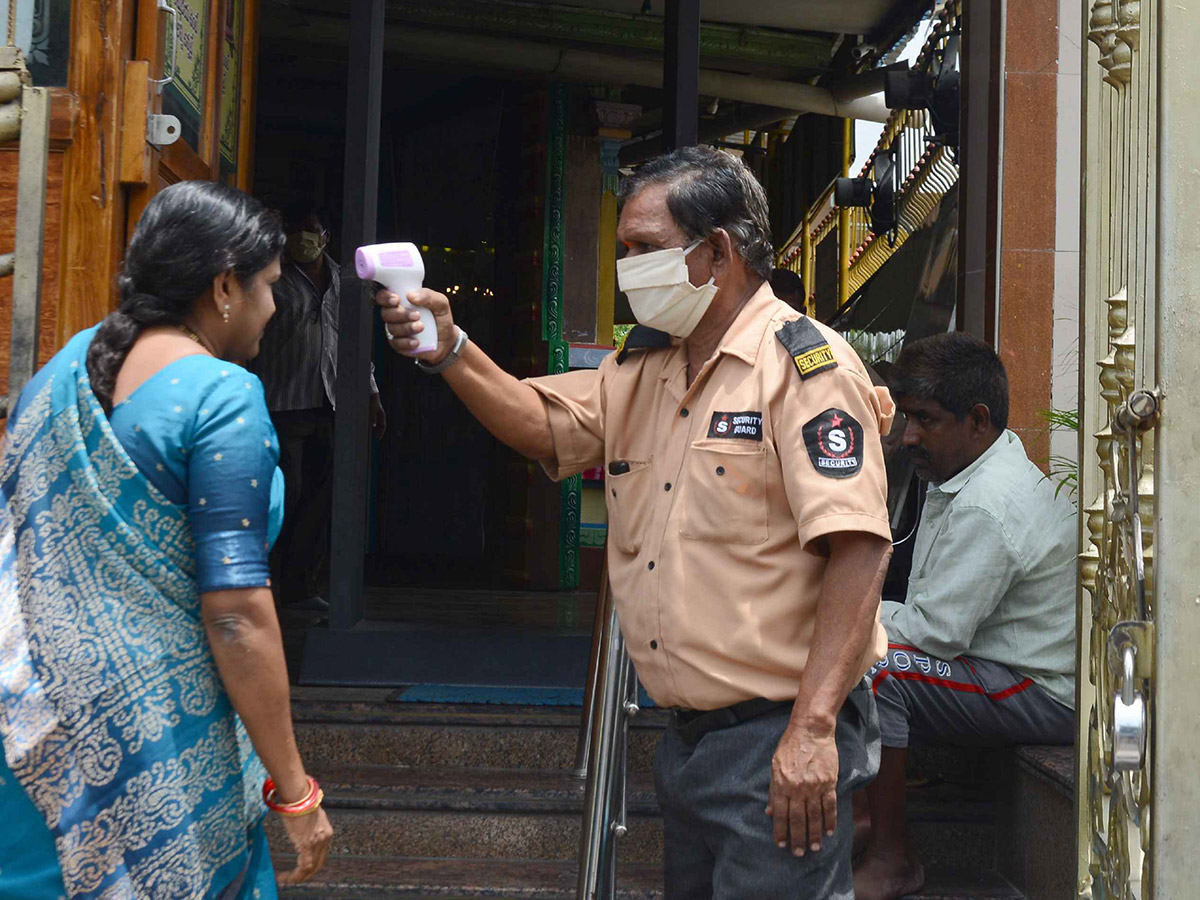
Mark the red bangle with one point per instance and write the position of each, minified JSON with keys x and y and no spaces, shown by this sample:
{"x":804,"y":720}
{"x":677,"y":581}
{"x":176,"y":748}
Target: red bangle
{"x":310,"y":803}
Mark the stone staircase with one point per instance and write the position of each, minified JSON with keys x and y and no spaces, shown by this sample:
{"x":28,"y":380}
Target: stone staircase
{"x":477,"y":801}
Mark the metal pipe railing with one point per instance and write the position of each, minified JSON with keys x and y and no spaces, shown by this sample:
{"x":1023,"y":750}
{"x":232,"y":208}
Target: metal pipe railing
{"x":599,"y":630}
{"x":613,"y":689}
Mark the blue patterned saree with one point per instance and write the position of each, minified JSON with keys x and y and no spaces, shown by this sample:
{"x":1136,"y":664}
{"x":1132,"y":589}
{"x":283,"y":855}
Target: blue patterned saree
{"x":121,"y":752}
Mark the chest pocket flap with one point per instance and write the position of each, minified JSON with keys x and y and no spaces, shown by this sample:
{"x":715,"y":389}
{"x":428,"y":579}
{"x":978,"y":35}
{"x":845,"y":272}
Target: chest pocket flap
{"x":725,"y":492}
{"x":629,"y":498}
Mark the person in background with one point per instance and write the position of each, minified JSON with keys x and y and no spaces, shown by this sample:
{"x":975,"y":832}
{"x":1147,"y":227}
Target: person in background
{"x":298,"y":368}
{"x":982,"y":650}
{"x":143,"y":690}
{"x":788,"y":287}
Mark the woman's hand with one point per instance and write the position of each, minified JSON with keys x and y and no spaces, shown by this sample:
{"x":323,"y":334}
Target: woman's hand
{"x":310,"y":835}
{"x":403,"y":324}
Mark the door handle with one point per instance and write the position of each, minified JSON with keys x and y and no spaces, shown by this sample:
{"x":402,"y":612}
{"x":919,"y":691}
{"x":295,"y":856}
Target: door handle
{"x":168,"y":70}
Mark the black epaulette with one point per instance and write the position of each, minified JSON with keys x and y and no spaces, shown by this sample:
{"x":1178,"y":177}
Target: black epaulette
{"x":807,"y":346}
{"x":642,"y":338}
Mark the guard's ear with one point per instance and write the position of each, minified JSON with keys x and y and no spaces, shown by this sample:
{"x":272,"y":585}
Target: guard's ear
{"x":721,"y":245}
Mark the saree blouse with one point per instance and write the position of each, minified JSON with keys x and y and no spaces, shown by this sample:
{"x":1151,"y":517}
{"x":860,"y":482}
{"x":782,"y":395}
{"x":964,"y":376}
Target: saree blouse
{"x":199,"y":430}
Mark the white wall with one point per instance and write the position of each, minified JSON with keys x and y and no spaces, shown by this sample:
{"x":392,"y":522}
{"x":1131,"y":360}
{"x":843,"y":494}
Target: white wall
{"x":1064,"y":388}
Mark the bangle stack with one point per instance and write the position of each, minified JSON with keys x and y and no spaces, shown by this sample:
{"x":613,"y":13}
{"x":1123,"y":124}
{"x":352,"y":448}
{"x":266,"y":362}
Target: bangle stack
{"x":307,"y":805}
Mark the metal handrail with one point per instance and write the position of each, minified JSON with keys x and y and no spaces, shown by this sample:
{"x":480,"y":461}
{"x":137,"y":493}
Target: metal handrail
{"x":612,"y":688}
{"x":599,"y":631}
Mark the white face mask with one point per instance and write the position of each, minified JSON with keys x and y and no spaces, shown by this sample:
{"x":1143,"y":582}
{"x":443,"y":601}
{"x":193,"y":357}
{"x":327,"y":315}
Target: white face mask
{"x":660,"y":292}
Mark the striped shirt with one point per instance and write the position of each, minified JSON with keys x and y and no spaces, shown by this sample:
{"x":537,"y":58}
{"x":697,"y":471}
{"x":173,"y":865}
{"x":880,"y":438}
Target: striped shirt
{"x":297,"y":359}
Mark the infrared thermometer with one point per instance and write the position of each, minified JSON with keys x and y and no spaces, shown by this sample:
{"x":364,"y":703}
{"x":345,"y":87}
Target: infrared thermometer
{"x":400,"y":269}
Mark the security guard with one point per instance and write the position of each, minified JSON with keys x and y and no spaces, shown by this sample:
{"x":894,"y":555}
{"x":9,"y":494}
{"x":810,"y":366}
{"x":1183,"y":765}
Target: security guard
{"x":748,"y":526}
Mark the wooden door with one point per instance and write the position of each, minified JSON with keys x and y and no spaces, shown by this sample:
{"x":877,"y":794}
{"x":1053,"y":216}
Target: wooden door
{"x":205,"y":52}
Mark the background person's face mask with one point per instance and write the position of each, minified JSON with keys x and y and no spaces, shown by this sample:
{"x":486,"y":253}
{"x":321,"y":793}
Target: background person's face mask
{"x":304,"y":246}
{"x":660,"y":293}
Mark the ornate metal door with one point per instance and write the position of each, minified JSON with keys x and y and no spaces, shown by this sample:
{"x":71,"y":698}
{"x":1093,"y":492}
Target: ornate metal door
{"x":1139,"y":606}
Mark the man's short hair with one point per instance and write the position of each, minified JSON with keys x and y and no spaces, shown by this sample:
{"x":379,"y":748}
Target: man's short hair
{"x":298,"y":209}
{"x":958,"y":371}
{"x":787,"y":286}
{"x":706,"y":190}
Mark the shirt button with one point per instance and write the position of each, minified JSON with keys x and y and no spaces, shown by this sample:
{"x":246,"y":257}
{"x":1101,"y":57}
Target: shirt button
{"x":651,"y":566}
{"x":667,"y":486}
{"x":684,"y":413}
{"x":654,"y":645}
{"x":720,"y":470}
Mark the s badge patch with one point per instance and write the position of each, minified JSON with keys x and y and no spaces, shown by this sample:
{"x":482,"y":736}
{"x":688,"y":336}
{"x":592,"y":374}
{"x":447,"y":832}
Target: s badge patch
{"x":835,"y":443}
{"x":744,"y":425}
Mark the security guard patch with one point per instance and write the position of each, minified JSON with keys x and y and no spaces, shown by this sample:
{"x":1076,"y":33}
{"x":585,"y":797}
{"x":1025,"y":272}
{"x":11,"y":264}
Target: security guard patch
{"x":835,"y":443}
{"x":809,"y":349}
{"x":744,"y":425}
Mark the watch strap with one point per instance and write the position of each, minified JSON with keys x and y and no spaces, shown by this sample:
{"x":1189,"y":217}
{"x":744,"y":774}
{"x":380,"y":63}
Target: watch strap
{"x":451,"y":357}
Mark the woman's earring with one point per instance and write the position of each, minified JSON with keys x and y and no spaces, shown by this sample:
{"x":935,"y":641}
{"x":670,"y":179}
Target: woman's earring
{"x":225,"y":314}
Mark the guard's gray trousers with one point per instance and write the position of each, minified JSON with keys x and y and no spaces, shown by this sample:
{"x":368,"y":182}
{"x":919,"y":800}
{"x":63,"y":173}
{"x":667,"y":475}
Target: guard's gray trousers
{"x":966,"y":701}
{"x":718,"y":840}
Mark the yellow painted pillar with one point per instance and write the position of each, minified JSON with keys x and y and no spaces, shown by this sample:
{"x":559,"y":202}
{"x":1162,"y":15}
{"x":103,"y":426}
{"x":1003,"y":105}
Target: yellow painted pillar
{"x":606,"y":283}
{"x":806,"y":265}
{"x":615,"y":119}
{"x":843,"y":226}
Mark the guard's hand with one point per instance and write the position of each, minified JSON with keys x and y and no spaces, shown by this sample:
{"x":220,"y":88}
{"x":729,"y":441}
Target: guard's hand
{"x":404,"y":324}
{"x":310,"y":835}
{"x":803,"y":794}
{"x":378,"y":417}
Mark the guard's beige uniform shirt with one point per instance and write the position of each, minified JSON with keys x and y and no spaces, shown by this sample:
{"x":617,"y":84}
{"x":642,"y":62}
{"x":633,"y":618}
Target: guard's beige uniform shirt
{"x":713,"y":547}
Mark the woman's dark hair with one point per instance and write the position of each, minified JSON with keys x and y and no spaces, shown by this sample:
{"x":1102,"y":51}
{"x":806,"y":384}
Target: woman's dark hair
{"x":189,"y":234}
{"x":706,"y":190}
{"x":957,"y":370}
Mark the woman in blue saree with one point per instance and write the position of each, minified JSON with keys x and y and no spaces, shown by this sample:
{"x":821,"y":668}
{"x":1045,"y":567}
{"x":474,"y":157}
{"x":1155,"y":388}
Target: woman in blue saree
{"x":143,"y":692}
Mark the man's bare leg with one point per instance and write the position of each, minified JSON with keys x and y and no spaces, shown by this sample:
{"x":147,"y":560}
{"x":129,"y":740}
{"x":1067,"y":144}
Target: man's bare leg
{"x":888,"y":869}
{"x":862,"y":822}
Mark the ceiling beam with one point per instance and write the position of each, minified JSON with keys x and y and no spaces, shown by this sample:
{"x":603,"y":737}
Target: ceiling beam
{"x":568,"y":64}
{"x":597,"y":26}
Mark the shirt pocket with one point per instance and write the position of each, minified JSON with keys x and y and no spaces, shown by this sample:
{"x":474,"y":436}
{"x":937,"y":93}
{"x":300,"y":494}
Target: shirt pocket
{"x":726,"y":493}
{"x":629,"y":504}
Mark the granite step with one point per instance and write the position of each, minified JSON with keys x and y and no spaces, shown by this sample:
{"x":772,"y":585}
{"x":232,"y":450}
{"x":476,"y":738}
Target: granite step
{"x":470,"y":813}
{"x":507,"y":813}
{"x":493,"y":782}
{"x":472,"y":835}
{"x":457,"y":879}
{"x":1039,"y":822}
{"x":357,"y":726}
{"x":449,"y":789}
{"x":451,"y":879}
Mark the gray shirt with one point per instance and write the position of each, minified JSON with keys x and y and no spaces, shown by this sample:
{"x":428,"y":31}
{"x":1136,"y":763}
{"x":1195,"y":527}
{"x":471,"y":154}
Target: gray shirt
{"x":297,"y":359}
{"x":994,"y":571}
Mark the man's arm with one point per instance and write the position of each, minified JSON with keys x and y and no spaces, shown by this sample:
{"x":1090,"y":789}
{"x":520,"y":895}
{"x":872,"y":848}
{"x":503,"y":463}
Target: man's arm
{"x":971,"y":566}
{"x":804,"y":771}
{"x":509,"y":409}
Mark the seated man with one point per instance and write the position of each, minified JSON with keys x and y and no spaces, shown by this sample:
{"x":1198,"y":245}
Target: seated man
{"x":982,"y":651}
